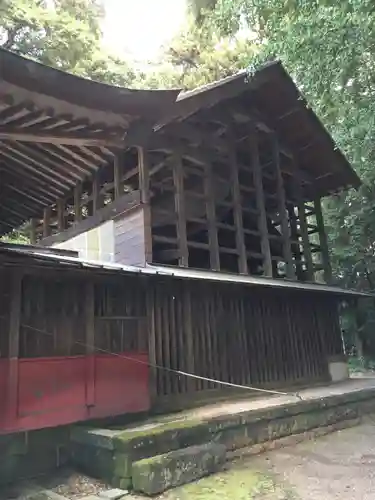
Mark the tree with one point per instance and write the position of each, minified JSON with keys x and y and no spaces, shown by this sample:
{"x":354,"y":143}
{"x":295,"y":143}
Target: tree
{"x":64,"y":34}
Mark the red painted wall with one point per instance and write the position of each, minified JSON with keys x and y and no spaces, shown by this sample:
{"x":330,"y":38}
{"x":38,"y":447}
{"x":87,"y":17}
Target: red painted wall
{"x":57,"y":391}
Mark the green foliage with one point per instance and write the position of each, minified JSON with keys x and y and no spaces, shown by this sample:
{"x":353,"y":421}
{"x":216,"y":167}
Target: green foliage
{"x":62,"y":33}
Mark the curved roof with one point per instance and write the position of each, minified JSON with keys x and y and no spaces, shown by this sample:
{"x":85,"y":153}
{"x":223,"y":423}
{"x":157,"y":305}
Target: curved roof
{"x":57,"y":128}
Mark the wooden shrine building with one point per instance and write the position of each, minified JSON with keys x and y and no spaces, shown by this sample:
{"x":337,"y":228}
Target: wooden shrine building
{"x":183,"y":230}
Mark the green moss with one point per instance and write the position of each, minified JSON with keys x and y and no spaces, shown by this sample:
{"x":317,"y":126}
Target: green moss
{"x":240,"y":484}
{"x":130,"y":434}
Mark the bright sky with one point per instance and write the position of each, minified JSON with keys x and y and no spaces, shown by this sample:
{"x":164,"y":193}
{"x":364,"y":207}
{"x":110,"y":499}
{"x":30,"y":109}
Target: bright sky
{"x":141,"y":27}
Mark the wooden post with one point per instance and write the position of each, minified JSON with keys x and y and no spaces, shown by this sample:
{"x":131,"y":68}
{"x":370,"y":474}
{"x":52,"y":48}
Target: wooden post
{"x":287,"y":250}
{"x":90,"y":343}
{"x":77,"y":202}
{"x":96,"y":197}
{"x":211,"y":218}
{"x":46,"y":222}
{"x":144,"y":187}
{"x":304,"y":233}
{"x":179,"y":197}
{"x":295,"y":237}
{"x":327,"y":269}
{"x":260,"y":201}
{"x":14,"y":341}
{"x":117,"y":168}
{"x":60,"y":206}
{"x":33,"y":231}
{"x":237,"y":209}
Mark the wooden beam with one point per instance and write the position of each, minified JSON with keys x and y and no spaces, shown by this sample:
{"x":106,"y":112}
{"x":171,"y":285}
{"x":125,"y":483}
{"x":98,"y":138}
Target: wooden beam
{"x":60,"y":207}
{"x":260,"y":201}
{"x":11,"y":404}
{"x":327,"y":269}
{"x":211,"y":218}
{"x":179,"y":199}
{"x":144,"y":188}
{"x":144,"y":174}
{"x":46,"y":222}
{"x":77,"y":202}
{"x":287,"y":250}
{"x":97,"y":200}
{"x":47,"y":137}
{"x":117,"y":168}
{"x":237,"y":208}
{"x":32,"y":232}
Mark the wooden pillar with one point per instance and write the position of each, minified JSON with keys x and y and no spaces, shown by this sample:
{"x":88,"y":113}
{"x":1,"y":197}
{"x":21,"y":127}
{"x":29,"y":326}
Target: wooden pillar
{"x":260,"y":201}
{"x":144,"y":187}
{"x":327,"y":269}
{"x":77,"y":202}
{"x":150,"y":298}
{"x":97,"y":201}
{"x":179,"y":197}
{"x":287,"y":250}
{"x":295,"y":244}
{"x":33,"y":231}
{"x":237,"y":209}
{"x":90,"y":343}
{"x":14,"y":341}
{"x":46,"y":222}
{"x":117,"y":169}
{"x":60,"y":206}
{"x":304,"y":232}
{"x":211,"y":218}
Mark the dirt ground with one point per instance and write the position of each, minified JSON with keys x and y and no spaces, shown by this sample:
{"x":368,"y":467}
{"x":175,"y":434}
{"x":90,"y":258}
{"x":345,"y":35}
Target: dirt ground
{"x":340,"y":465}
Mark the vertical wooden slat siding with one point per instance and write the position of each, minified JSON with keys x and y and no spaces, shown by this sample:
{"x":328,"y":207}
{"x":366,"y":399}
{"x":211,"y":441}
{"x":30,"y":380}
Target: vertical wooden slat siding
{"x":211,"y":218}
{"x":260,"y":202}
{"x":237,"y":208}
{"x":14,"y":344}
{"x":189,"y":336}
{"x":166,"y":342}
{"x":90,"y":340}
{"x":226,"y":332}
{"x":151,"y":331}
{"x":287,"y":250}
{"x":327,"y":269}
{"x":179,"y":197}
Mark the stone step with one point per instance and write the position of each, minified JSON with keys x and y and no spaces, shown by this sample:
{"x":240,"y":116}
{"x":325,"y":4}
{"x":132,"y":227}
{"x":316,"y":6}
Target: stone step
{"x":110,"y":453}
{"x":154,"y":475}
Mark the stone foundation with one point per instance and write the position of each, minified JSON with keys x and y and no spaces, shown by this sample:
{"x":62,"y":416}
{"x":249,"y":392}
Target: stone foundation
{"x":110,"y":454}
{"x":29,"y":454}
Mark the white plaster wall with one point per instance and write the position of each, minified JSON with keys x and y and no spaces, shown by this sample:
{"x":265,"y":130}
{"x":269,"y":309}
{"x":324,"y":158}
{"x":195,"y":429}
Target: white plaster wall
{"x":96,"y":244}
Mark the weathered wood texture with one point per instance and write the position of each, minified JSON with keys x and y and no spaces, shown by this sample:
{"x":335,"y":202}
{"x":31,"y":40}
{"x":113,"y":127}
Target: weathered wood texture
{"x":212,"y":209}
{"x":129,"y":235}
{"x":225,"y":332}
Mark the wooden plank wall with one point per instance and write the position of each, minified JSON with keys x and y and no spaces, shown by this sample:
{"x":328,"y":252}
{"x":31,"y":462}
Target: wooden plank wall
{"x":129,"y":235}
{"x":225,"y":332}
{"x":242,"y":336}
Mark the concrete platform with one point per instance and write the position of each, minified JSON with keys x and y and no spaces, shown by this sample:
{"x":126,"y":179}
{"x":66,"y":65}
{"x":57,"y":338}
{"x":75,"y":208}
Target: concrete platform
{"x":109,"y":453}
